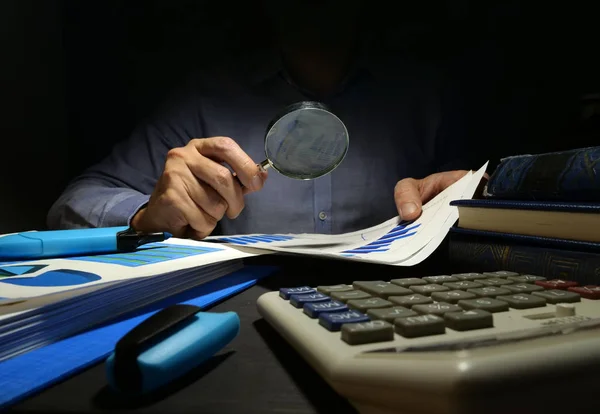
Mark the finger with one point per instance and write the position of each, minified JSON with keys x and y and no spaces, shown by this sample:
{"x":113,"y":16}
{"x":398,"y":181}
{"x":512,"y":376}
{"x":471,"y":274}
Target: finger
{"x":226,"y":150}
{"x":215,"y":175}
{"x":434,"y":184}
{"x":408,"y":198}
{"x":204,"y":196}
{"x":200,"y":223}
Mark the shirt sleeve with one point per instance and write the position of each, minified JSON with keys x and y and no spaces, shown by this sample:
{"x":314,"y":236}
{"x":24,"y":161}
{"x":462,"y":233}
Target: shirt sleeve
{"x":109,"y":193}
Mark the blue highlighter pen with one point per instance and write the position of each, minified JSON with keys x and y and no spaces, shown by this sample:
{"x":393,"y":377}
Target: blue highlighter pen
{"x":166,"y":346}
{"x":61,"y":243}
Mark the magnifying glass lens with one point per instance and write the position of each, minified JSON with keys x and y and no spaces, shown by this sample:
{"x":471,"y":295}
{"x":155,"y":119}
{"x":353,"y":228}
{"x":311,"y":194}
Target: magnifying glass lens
{"x":305,"y":142}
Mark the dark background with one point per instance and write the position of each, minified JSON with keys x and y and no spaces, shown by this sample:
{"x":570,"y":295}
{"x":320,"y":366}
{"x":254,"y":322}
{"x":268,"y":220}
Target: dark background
{"x":76,"y":76}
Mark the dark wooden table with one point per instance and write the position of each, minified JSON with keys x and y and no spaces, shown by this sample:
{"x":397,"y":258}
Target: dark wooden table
{"x":257,"y":373}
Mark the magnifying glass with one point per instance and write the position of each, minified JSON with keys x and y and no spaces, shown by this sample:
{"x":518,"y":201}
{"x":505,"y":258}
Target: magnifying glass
{"x":305,"y":141}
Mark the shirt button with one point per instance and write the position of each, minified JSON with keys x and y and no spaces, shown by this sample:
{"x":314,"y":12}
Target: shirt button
{"x":322,"y":215}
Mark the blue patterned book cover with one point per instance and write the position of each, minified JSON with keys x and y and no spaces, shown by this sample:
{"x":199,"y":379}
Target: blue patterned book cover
{"x":479,"y":251}
{"x":572,"y":175}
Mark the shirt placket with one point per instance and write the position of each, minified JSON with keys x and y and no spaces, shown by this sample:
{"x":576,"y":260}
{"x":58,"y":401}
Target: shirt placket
{"x":322,"y":204}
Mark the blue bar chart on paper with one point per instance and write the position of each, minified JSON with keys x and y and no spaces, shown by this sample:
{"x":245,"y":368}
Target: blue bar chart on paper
{"x":150,"y":254}
{"x":383,"y":244}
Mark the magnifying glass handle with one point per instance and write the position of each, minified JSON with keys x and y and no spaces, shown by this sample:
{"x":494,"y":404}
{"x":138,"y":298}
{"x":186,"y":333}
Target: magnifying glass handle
{"x":263,"y":166}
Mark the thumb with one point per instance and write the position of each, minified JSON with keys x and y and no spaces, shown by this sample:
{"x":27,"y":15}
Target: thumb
{"x":408,"y":198}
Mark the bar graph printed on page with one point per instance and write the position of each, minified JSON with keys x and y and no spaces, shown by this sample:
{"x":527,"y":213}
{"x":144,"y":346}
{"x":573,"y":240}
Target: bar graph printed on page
{"x":151,"y":253}
{"x":382,"y":244}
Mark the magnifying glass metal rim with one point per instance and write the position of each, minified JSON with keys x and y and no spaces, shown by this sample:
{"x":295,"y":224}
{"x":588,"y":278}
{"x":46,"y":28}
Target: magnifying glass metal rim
{"x":289,"y":109}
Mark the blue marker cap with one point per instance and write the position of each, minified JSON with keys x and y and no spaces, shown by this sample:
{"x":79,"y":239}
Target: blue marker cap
{"x":168,"y":345}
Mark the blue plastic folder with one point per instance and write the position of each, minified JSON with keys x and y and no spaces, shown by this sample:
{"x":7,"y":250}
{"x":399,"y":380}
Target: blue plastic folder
{"x":29,"y":373}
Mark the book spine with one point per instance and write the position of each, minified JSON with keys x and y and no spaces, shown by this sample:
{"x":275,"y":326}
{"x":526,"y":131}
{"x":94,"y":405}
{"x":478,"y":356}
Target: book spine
{"x":560,"y":176}
{"x":468,"y":253}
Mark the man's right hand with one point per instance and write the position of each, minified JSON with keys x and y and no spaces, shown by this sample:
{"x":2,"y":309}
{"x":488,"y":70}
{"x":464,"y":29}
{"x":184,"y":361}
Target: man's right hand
{"x":196,"y":190}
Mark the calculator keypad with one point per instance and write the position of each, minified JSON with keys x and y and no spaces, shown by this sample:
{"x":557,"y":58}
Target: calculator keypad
{"x":374,"y":311}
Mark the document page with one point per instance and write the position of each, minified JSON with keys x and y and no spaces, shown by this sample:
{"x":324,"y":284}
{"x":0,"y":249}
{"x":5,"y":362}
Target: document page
{"x":392,"y":242}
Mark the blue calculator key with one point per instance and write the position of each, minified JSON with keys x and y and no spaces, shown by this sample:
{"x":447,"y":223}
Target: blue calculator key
{"x":287,"y":292}
{"x":333,"y":321}
{"x":314,"y":309}
{"x":299,"y":300}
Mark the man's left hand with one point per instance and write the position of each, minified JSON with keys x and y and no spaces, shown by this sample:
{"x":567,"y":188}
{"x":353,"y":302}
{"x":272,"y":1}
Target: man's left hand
{"x":410,"y":194}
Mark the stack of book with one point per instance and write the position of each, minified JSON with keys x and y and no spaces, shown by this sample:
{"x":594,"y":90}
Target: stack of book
{"x":539,"y":214}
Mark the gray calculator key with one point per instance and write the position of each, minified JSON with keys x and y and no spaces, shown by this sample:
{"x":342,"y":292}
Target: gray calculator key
{"x":334,"y":288}
{"x":463,"y":285}
{"x":495,"y":281}
{"x":469,"y":320}
{"x":501,"y":274}
{"x":523,"y":301}
{"x":429,"y":289}
{"x":526,"y":278}
{"x":524,"y":288}
{"x":409,"y":281}
{"x":367,"y":332}
{"x":452,"y":296}
{"x":440,"y":279}
{"x":390,"y":314}
{"x":423,"y":325}
{"x":381,"y":288}
{"x":369,"y":303}
{"x":409,"y":301}
{"x":490,"y":291}
{"x":555,"y":296}
{"x":470,"y":276}
{"x":349,"y":295}
{"x":438,"y":308}
{"x":488,"y":304}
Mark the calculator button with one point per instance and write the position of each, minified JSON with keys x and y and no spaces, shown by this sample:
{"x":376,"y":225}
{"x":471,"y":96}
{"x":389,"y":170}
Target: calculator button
{"x":463,"y":285}
{"x":352,"y":294}
{"x":524,"y":288}
{"x":382,"y":289}
{"x":370,"y":303}
{"x":440,"y":279}
{"x":556,"y":284}
{"x":588,"y":292}
{"x":333,"y":321}
{"x":334,"y":288}
{"x":501,"y":274}
{"x":523,"y":301}
{"x":526,"y":278}
{"x":469,"y":320}
{"x":299,"y":300}
{"x":488,"y":304}
{"x":390,"y":314}
{"x":287,"y":292}
{"x":489,"y":291}
{"x":423,"y":325}
{"x":367,"y":332}
{"x":452,"y":296}
{"x":409,"y":281}
{"x":555,"y":296}
{"x":438,"y":308}
{"x":410,"y":300}
{"x":470,"y":276}
{"x":314,"y":309}
{"x":495,"y":281}
{"x":429,"y":289}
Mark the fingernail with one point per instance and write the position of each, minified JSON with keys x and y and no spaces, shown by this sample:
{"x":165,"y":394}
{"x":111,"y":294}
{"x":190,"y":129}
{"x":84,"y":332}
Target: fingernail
{"x":257,"y":182}
{"x":408,"y":209}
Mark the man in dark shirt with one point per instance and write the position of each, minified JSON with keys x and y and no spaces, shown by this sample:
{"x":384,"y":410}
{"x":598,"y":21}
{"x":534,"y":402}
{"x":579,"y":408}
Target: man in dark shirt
{"x":169,"y":176}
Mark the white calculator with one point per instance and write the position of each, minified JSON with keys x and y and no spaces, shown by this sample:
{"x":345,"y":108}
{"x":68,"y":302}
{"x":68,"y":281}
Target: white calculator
{"x":470,"y":343}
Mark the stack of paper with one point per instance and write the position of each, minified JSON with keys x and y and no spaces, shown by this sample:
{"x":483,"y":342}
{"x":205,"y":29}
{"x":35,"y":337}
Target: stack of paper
{"x":44,"y":301}
{"x":393,"y":242}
